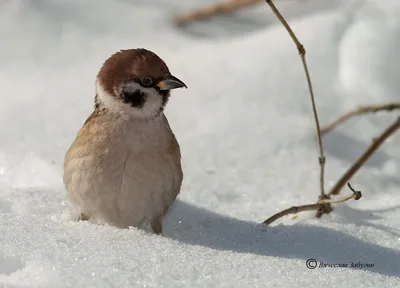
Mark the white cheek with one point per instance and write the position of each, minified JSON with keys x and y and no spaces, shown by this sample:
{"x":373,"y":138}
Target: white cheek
{"x":108,"y":100}
{"x":150,"y":109}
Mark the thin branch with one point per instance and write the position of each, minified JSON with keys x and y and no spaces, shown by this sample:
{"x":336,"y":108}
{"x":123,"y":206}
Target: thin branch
{"x":297,"y":209}
{"x":302,"y":53}
{"x":323,"y":206}
{"x":356,"y":195}
{"x":359,"y":111}
{"x":213,"y":10}
{"x":376,"y":143}
{"x":325,"y":203}
{"x":292,"y":210}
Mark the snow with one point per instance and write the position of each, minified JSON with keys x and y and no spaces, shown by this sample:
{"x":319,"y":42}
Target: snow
{"x":247,"y":137}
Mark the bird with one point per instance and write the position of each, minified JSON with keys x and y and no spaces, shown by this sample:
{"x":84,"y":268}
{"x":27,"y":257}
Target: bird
{"x":124,"y":166}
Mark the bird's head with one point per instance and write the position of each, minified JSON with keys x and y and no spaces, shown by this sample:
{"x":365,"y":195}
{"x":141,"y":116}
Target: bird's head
{"x":135,"y":82}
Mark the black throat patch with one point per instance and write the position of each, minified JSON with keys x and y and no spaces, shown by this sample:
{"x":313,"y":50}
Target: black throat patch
{"x":136,"y":98}
{"x":165,"y":96}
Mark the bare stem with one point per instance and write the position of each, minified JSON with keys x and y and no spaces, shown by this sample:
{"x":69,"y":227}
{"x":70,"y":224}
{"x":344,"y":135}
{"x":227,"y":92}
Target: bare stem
{"x":302,"y":53}
{"x":213,"y":10}
{"x":292,"y":210}
{"x":376,"y":143}
{"x":360,"y":110}
{"x":323,"y":206}
{"x":356,"y":195}
{"x":317,"y":206}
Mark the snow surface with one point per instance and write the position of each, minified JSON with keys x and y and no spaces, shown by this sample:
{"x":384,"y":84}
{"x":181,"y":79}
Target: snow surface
{"x":247,"y":139}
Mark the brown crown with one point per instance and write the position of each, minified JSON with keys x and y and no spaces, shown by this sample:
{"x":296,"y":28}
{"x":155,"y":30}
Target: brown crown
{"x":128,"y":65}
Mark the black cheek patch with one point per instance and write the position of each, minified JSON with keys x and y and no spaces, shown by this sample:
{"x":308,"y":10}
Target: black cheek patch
{"x":165,"y":96}
{"x":136,"y":98}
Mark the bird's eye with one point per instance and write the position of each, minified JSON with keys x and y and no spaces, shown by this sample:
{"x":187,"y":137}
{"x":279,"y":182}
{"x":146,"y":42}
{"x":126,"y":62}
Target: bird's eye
{"x":146,"y":81}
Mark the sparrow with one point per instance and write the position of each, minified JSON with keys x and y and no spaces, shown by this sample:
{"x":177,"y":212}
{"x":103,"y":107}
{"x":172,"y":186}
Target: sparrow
{"x":124,"y":166}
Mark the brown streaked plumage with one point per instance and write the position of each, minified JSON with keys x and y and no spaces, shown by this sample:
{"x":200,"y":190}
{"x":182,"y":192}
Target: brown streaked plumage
{"x":124,"y":167}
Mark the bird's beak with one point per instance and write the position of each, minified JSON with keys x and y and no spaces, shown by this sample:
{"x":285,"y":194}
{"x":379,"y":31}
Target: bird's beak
{"x":170,"y":82}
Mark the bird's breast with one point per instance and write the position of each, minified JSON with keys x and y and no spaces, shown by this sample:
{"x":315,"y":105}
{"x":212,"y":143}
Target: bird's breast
{"x":131,"y":178}
{"x":145,"y":185}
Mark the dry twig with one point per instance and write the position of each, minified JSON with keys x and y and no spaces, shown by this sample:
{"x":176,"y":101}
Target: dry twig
{"x":213,"y":10}
{"x":296,"y":209}
{"x":356,"y":195}
{"x":302,"y":53}
{"x":323,"y":206}
{"x":360,"y":110}
{"x":292,"y":210}
{"x":376,"y":143}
